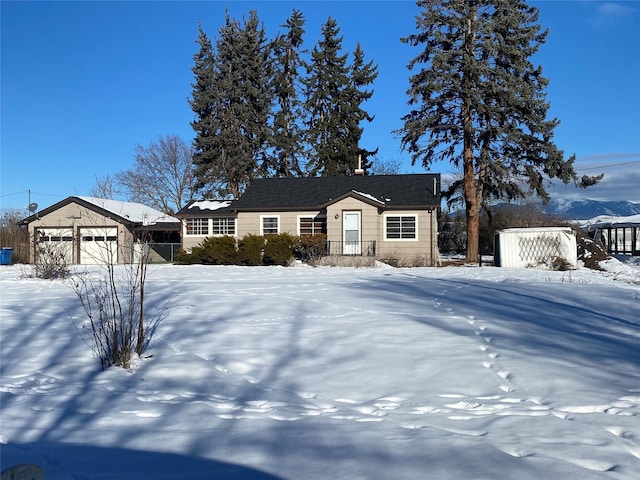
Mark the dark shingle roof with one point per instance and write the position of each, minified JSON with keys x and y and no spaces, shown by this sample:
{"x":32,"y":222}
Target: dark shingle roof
{"x":393,"y":191}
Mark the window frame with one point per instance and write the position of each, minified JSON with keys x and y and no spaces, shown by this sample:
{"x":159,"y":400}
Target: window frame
{"x":203,"y":227}
{"x":401,"y":233}
{"x":318,"y":224}
{"x":226,"y":227}
{"x":262,"y":225}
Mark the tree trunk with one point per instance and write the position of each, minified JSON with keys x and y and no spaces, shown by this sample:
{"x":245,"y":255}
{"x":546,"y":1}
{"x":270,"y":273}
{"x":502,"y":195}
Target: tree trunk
{"x":470,"y":187}
{"x":472,"y":206}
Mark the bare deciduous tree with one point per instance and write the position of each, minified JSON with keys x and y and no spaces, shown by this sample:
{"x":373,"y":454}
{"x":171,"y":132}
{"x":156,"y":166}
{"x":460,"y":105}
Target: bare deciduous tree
{"x":105,"y":187}
{"x":162,"y":176}
{"x":14,"y":236}
{"x":384,"y":166}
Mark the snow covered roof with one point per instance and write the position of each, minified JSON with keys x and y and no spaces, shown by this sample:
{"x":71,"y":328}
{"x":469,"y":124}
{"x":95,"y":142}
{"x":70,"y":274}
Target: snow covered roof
{"x":199,"y":207}
{"x":605,"y":221}
{"x":535,"y":229}
{"x":136,"y":213}
{"x":132,"y":211}
{"x":369,"y":196}
{"x":210,"y":204}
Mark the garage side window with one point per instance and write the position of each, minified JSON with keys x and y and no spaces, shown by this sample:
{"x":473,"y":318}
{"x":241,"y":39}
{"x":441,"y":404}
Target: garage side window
{"x":400,"y":227}
{"x":197,"y":226}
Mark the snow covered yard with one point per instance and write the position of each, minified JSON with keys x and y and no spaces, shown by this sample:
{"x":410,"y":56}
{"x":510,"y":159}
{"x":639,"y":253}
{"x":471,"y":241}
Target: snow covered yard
{"x":334,"y":373}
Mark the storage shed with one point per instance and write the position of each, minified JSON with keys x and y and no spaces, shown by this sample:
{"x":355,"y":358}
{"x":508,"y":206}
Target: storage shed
{"x":541,"y":247}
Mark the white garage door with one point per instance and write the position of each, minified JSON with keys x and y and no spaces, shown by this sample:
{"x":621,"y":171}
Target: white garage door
{"x":55,"y":243}
{"x":98,"y":245}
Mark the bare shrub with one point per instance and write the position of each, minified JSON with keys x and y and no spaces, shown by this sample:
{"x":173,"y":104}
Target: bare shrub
{"x":310,"y":248}
{"x":113,"y":299}
{"x":394,"y":262}
{"x":51,"y":260}
{"x":590,"y":252}
{"x":561,"y":264}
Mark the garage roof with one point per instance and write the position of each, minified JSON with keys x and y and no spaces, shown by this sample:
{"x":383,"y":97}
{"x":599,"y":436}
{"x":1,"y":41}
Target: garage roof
{"x":124,"y":212}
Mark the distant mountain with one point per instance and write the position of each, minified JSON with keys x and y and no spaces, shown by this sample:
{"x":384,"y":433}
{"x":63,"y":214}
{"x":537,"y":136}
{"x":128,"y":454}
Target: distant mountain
{"x":586,"y":209}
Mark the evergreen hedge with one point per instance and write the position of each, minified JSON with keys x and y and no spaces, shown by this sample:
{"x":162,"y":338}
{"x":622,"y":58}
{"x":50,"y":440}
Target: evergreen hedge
{"x":250,"y":250}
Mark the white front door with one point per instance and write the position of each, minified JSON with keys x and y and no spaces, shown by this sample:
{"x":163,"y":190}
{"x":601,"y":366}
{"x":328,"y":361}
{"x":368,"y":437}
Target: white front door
{"x":351,"y":233}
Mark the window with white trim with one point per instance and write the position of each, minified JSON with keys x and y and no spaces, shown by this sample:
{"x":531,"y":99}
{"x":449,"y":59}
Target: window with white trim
{"x":312,"y":225}
{"x":197,"y":226}
{"x":269,"y":225}
{"x":400,"y":227}
{"x":223,"y":226}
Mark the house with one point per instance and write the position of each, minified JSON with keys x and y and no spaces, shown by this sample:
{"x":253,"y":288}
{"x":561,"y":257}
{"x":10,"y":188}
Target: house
{"x":88,"y":230}
{"x":386,"y":217}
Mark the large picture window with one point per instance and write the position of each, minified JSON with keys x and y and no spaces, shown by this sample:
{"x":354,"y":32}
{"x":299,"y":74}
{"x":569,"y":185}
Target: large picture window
{"x":223,"y":226}
{"x":401,"y":227}
{"x":197,"y":226}
{"x":269,"y":225}
{"x":312,"y":226}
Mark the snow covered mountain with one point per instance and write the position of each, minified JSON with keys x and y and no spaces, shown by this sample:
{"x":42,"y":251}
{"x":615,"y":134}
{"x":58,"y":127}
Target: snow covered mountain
{"x":585,"y":209}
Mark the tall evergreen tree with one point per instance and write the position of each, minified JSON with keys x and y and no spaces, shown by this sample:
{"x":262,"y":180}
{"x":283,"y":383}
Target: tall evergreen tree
{"x":480,"y":103}
{"x":334,"y":92}
{"x":287,"y":129}
{"x":202,"y":103}
{"x":362,"y":74}
{"x":232,"y":100}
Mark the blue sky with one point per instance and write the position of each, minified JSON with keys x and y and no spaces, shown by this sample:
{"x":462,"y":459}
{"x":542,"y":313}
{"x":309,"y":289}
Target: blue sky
{"x":83,"y":83}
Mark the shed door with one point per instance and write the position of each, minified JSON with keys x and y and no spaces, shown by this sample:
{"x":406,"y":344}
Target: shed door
{"x":98,"y":245}
{"x":351,"y":233}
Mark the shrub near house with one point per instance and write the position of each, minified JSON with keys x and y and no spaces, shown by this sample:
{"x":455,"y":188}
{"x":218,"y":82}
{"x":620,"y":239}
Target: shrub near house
{"x":250,"y":250}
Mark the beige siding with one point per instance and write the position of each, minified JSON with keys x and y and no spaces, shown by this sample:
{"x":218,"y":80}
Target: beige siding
{"x":75,"y":217}
{"x":190,"y":241}
{"x":419,"y":252}
{"x":423,"y":251}
{"x":368,"y":219}
{"x":251,"y":222}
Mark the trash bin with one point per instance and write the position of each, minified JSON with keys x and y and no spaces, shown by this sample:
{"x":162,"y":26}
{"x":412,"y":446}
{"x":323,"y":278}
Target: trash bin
{"x":5,"y":255}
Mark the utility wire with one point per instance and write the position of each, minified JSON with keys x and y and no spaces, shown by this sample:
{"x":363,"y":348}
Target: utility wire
{"x":609,"y":166}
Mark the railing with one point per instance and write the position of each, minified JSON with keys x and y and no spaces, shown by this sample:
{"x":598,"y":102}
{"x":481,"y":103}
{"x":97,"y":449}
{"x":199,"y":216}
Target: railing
{"x":363,"y":248}
{"x":621,"y":240}
{"x":336,"y":248}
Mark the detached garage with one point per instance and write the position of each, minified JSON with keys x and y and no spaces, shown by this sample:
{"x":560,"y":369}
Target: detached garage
{"x":88,"y":230}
